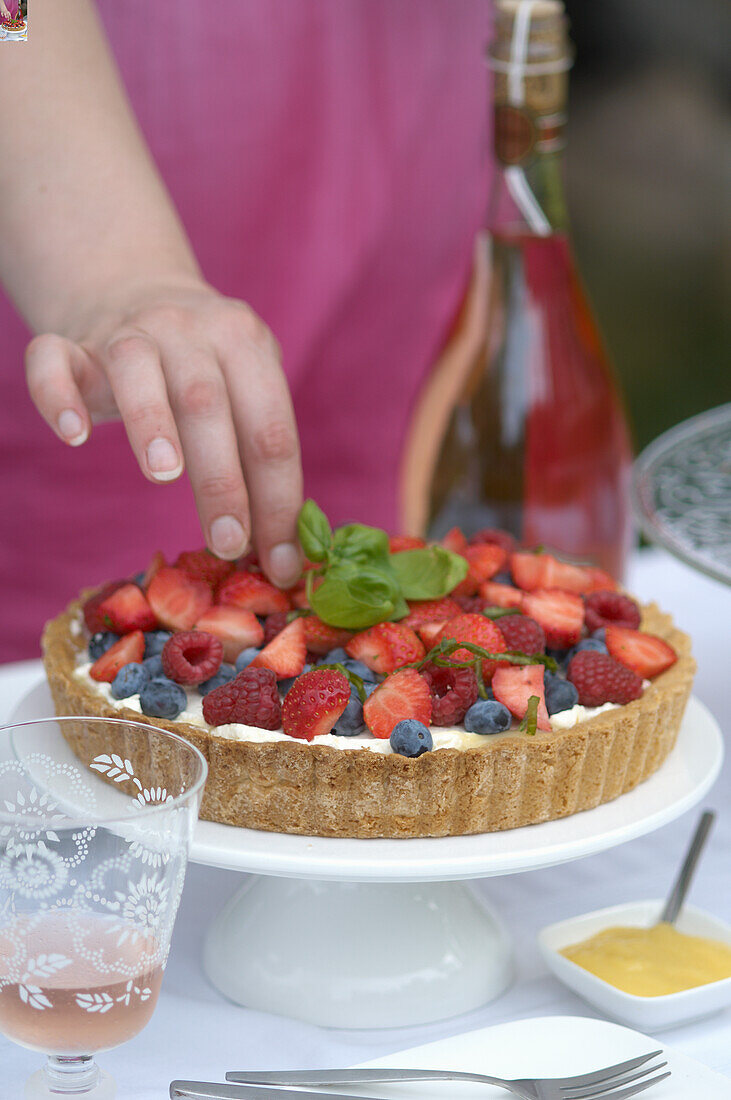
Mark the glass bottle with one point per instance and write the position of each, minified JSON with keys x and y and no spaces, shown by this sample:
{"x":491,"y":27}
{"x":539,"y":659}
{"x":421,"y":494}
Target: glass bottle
{"x":533,"y":436}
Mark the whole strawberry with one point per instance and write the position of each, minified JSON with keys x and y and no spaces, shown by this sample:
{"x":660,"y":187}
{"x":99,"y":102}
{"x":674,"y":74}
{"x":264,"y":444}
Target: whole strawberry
{"x":251,"y":699}
{"x":600,"y":679}
{"x":314,"y":703}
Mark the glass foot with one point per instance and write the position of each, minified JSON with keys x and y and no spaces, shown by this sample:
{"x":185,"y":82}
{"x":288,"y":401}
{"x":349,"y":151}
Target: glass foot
{"x":70,"y":1077}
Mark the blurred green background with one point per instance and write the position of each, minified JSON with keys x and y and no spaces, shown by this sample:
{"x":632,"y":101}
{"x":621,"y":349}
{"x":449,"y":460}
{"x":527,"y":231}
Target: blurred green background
{"x":648,"y":180}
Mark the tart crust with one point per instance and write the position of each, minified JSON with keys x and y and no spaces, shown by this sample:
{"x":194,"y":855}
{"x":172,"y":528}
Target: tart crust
{"x":316,"y":790}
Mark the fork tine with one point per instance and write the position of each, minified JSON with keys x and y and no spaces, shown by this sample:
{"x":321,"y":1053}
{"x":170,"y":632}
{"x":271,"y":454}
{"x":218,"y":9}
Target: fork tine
{"x":604,"y":1074}
{"x":633,"y":1090}
{"x":587,"y":1092}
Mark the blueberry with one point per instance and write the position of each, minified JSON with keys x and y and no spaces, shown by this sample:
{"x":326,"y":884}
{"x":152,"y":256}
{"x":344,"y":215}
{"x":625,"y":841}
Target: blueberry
{"x":351,"y":722}
{"x":155,"y":641}
{"x":411,"y":738}
{"x":130,"y":680}
{"x":100,"y":643}
{"x":487,"y":716}
{"x":245,"y":657}
{"x":559,"y":655}
{"x":361,"y":670}
{"x":161,"y":698}
{"x":138,"y":579}
{"x":560,"y":695}
{"x":335,"y":656}
{"x":600,"y":634}
{"x":502,"y":578}
{"x":598,"y":645}
{"x":154,"y":666}
{"x":224,"y":675}
{"x":286,"y":684}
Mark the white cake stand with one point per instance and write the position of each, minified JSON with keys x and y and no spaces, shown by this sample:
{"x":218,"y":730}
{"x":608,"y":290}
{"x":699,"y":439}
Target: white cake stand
{"x":382,"y":933}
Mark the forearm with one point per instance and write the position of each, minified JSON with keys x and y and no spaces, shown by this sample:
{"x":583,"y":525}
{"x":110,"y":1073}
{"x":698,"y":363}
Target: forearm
{"x":82,"y":207}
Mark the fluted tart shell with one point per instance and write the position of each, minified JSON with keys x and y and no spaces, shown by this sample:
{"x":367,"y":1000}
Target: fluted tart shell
{"x":316,"y":790}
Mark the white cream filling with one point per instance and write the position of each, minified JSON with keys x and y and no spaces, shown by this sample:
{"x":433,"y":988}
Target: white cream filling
{"x":443,"y":737}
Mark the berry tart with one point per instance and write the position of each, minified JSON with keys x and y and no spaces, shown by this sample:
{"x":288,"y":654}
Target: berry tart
{"x":399,"y":690}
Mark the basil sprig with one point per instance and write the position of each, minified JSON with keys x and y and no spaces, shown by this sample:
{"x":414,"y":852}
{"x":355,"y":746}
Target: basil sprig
{"x":357,"y":582}
{"x":440,"y":654}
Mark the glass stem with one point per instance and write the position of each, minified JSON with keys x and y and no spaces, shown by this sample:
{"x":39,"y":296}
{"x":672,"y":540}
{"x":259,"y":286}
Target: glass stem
{"x":71,"y":1076}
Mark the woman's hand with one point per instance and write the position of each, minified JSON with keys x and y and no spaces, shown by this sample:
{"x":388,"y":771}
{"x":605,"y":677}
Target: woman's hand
{"x":198,"y":382}
{"x":4,"y":11}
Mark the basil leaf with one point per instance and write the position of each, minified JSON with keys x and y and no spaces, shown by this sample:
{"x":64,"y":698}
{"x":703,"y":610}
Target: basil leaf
{"x":314,"y":531}
{"x":354,"y":597}
{"x":428,"y":573}
{"x":400,"y":610}
{"x":357,"y":542}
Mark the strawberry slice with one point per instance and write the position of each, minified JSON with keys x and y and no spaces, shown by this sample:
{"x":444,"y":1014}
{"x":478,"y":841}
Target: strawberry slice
{"x":501,"y":595}
{"x":397,"y":543}
{"x":297,"y":596}
{"x":430,"y":611}
{"x":513,"y":687}
{"x":405,"y":694}
{"x":251,"y":592}
{"x":157,"y":562}
{"x":286,"y":653}
{"x":321,"y":637}
{"x":235,"y":628}
{"x":561,"y":614}
{"x":645,"y":654}
{"x":178,"y":600}
{"x":125,"y":610}
{"x":479,"y":631}
{"x":314,"y":703}
{"x":386,"y":647}
{"x":129,"y":648}
{"x":532,"y":571}
{"x":486,"y":559}
{"x":92,"y":618}
{"x":454,"y":540}
{"x":429,"y":632}
{"x":202,"y":565}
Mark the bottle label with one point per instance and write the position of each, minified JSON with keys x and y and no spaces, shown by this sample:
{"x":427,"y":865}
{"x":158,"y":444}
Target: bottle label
{"x":520,"y":133}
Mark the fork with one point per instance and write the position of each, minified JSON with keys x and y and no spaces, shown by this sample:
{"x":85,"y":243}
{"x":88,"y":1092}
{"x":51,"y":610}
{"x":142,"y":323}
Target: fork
{"x":615,"y":1082}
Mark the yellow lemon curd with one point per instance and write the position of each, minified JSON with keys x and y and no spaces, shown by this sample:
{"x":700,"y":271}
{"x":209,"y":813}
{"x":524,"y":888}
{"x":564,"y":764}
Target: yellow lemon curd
{"x":651,"y":962}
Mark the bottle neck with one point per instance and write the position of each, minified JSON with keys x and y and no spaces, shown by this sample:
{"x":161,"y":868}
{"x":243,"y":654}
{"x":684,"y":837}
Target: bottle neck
{"x":529,"y":198}
{"x":530,"y":58}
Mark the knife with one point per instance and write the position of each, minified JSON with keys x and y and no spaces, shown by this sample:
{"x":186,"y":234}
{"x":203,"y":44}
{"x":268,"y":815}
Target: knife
{"x":209,"y":1090}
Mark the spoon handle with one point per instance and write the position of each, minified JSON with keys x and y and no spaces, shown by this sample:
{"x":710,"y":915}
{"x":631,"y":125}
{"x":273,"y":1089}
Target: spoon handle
{"x":682,"y":882}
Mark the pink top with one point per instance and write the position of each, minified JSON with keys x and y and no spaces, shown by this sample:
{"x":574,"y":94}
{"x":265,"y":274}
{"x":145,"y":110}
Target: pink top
{"x":329,"y":161}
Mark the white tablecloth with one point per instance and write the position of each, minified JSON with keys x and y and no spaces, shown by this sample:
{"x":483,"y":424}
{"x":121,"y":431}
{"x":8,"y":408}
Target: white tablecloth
{"x":196,"y":1034}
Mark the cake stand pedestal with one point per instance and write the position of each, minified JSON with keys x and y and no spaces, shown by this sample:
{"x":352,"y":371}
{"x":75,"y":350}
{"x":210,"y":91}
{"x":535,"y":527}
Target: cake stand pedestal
{"x":382,"y":933}
{"x":388,"y":933}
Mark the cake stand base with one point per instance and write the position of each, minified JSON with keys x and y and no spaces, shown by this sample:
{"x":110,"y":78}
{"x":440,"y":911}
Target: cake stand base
{"x":351,"y":955}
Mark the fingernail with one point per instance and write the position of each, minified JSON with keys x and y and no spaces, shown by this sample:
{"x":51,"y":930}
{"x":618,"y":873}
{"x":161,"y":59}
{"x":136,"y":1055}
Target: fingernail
{"x":285,"y":564}
{"x":163,"y":460}
{"x":228,"y":538}
{"x":72,"y":427}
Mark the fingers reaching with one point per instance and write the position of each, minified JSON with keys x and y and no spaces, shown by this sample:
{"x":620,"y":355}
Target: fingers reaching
{"x":51,"y":366}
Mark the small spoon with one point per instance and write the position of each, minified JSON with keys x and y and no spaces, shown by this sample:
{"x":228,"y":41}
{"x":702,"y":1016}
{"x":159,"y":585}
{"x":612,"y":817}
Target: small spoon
{"x":676,"y":896}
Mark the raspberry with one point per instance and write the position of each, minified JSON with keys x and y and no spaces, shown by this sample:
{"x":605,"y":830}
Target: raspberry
{"x":191,"y":657}
{"x":599,"y":679}
{"x":273,"y":625}
{"x":603,"y":608}
{"x":522,"y":634}
{"x":251,"y":699}
{"x":473,"y":605}
{"x":453,"y":691}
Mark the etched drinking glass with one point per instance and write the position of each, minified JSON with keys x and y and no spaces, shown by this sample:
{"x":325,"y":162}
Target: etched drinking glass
{"x":96,"y":818}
